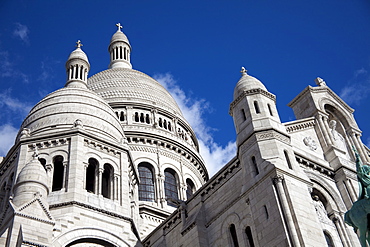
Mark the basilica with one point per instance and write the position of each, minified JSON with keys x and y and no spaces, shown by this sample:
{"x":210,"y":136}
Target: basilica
{"x":110,"y":160}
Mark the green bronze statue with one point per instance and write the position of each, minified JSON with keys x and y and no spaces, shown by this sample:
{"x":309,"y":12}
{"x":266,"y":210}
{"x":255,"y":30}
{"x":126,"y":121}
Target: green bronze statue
{"x":359,"y":215}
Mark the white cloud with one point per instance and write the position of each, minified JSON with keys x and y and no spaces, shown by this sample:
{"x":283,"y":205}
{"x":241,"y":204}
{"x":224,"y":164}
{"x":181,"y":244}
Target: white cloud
{"x":214,"y":154}
{"x":7,"y":68}
{"x":358,"y":87}
{"x":7,"y":137}
{"x":13,"y":104}
{"x":21,"y":31}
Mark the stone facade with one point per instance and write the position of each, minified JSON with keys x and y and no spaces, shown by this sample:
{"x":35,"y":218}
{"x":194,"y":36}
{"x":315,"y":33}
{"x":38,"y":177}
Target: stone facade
{"x":111,"y":161}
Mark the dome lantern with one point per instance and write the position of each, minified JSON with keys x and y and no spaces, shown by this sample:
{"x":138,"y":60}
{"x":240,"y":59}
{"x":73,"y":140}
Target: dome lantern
{"x":119,"y":50}
{"x":77,"y":67}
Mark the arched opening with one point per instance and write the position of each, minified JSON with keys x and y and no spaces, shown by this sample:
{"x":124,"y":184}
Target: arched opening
{"x":254,"y":165}
{"x":142,"y":117}
{"x":90,"y":242}
{"x":136,"y":117}
{"x":329,"y":240}
{"x":58,"y":173}
{"x":244,"y":117}
{"x":248,"y":232}
{"x":170,"y":186}
{"x":146,"y":185}
{"x":169,"y":126}
{"x":160,"y":122}
{"x":122,"y":116}
{"x":234,"y":237}
{"x":43,"y":162}
{"x":147,"y":119}
{"x":190,"y":188}
{"x":256,"y":107}
{"x":270,"y":111}
{"x":106,"y":185}
{"x":91,"y":175}
{"x":287,"y":159}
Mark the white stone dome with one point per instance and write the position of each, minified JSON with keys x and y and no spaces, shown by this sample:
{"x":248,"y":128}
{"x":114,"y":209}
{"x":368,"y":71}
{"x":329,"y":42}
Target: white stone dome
{"x":78,"y":54}
{"x":32,"y":179}
{"x":247,"y":82}
{"x":119,"y":36}
{"x":123,"y":85}
{"x":59,"y":110}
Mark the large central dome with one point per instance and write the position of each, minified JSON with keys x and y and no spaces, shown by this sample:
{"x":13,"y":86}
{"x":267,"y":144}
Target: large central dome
{"x":123,"y":85}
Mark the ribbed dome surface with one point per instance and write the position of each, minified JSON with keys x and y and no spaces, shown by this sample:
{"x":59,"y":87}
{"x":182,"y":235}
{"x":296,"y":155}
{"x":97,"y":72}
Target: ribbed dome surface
{"x":119,"y":36}
{"x":59,"y":110}
{"x":32,"y":179}
{"x":124,"y":85}
{"x":78,"y":54}
{"x":245,"y":83}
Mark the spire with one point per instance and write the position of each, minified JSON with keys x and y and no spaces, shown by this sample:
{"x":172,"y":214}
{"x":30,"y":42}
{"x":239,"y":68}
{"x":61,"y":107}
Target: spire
{"x":120,"y":50}
{"x":77,"y":67}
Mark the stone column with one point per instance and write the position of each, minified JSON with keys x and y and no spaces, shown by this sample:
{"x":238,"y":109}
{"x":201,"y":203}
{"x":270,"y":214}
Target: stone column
{"x":278,"y":181}
{"x":64,"y":183}
{"x":99,"y":181}
{"x":161,"y":193}
{"x":327,"y":129}
{"x":337,"y":219}
{"x":323,"y":128}
{"x":351,"y":193}
{"x":362,"y":148}
{"x":84,"y":176}
{"x":115,"y":187}
{"x":358,"y":146}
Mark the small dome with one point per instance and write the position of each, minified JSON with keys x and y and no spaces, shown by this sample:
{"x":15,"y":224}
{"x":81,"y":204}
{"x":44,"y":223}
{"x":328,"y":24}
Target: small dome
{"x":119,"y":36}
{"x":78,"y":54}
{"x":58,"y":112}
{"x":31,"y":180}
{"x":246,"y":83}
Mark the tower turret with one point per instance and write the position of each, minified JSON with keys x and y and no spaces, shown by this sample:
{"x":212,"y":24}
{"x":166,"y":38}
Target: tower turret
{"x":119,"y":50}
{"x":253,"y":108}
{"x":77,"y":67}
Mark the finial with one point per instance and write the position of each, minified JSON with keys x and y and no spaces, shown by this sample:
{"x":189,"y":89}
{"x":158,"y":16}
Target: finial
{"x":119,"y":26}
{"x":320,"y":82}
{"x":79,"y":44}
{"x":243,"y":71}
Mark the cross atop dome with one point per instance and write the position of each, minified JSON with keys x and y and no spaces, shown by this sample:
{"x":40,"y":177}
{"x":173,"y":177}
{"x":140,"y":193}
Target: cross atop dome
{"x":79,"y":44}
{"x":243,"y":71}
{"x":119,"y":26}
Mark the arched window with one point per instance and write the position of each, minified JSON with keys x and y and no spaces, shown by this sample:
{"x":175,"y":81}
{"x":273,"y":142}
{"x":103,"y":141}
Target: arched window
{"x":43,"y":162}
{"x":190,"y":188}
{"x":147,"y":119}
{"x":142,"y":117}
{"x":146,"y":186}
{"x":233,"y":235}
{"x":58,"y":173}
{"x":243,"y":115}
{"x":170,"y":186}
{"x":122,"y":116}
{"x":287,"y":159}
{"x":256,"y":107}
{"x":169,"y":126}
{"x":254,"y":164}
{"x":270,"y":111}
{"x":136,"y":117}
{"x":91,"y":175}
{"x":160,"y":122}
{"x":328,"y":239}
{"x":248,"y":232}
{"x":106,"y":185}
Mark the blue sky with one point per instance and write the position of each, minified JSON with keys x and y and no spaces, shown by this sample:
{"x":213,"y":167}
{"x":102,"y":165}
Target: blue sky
{"x":196,"y":48}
